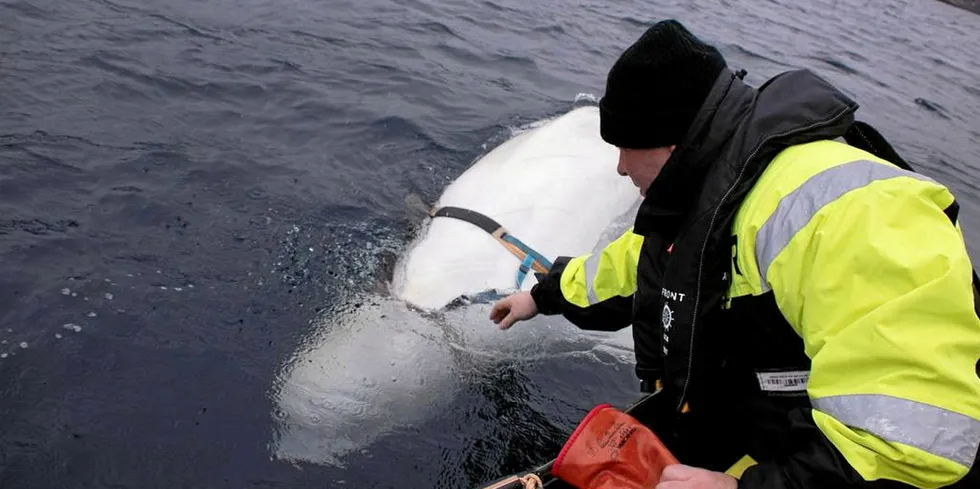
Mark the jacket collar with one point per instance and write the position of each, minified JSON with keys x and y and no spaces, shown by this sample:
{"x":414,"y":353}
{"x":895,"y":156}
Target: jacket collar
{"x":733,"y":117}
{"x":674,"y":192}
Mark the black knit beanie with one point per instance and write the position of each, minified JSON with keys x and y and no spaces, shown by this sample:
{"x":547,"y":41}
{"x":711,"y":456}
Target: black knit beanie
{"x":656,"y":87}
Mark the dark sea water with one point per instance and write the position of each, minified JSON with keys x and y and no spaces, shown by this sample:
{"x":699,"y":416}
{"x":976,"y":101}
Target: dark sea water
{"x":185,"y":185}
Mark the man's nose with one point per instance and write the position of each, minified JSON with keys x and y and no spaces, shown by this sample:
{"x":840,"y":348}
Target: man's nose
{"x":621,"y":166}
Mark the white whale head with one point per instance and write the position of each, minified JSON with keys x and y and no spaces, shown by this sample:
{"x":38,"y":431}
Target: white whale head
{"x":393,"y":361}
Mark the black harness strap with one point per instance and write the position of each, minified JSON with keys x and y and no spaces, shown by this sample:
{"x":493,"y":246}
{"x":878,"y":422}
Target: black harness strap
{"x":475,"y":218}
{"x":530,"y":259}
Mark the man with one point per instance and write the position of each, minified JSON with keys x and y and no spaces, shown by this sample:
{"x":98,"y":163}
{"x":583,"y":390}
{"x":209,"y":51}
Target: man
{"x":806,"y":305}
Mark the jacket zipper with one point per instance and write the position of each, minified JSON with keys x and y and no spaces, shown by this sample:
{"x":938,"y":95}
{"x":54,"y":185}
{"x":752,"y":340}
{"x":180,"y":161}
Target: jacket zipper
{"x":711,"y":225}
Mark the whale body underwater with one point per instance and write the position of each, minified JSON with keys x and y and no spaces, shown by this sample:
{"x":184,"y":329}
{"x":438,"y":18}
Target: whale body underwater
{"x":393,"y":359}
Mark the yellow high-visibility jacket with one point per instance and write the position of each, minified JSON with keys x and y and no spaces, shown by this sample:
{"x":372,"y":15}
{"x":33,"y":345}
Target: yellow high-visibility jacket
{"x":848,"y":337}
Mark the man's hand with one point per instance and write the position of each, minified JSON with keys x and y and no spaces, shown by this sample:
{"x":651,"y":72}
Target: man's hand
{"x":513,"y":308}
{"x":684,"y":477}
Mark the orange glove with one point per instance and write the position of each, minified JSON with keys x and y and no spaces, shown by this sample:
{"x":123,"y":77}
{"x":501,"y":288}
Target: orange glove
{"x":612,"y":450}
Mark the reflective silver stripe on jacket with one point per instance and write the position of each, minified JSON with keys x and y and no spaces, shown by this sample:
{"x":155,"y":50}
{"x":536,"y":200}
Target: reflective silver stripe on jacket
{"x":938,"y":431}
{"x":798,"y":207}
{"x":591,"y":268}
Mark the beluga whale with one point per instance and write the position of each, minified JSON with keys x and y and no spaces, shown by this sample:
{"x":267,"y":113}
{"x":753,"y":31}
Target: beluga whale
{"x":389,"y":363}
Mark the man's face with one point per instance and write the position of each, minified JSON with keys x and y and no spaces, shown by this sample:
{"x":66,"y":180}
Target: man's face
{"x":643,"y":165}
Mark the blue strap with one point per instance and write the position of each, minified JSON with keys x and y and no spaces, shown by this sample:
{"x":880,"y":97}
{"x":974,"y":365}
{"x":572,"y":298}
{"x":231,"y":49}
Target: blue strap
{"x":530,"y":256}
{"x":538,"y":257}
{"x":524,"y":268}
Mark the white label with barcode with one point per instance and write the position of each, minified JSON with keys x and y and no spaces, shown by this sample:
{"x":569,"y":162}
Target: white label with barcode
{"x":783,"y":381}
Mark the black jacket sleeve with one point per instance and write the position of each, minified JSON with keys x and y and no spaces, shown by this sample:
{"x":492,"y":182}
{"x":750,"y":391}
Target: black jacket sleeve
{"x":609,"y":315}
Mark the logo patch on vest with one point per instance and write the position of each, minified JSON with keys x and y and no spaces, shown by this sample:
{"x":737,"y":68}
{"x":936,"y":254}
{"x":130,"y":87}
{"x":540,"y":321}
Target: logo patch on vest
{"x":783,"y":382}
{"x":672,"y":296}
{"x":667,"y":314}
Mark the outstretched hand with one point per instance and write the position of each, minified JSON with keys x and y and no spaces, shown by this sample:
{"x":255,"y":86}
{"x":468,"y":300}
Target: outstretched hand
{"x":513,"y":308}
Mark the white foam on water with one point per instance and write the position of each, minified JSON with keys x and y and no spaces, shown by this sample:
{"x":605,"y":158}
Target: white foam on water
{"x":586,"y":97}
